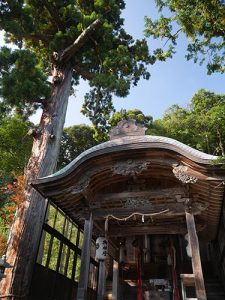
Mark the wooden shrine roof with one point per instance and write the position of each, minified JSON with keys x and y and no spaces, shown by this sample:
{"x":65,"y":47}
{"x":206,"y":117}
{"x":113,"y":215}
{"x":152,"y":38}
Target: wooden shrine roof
{"x":150,"y":175}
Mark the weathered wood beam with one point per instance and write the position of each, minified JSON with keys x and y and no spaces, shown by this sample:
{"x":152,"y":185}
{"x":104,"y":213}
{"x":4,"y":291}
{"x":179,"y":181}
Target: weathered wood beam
{"x":85,"y":260}
{"x":196,"y":260}
{"x":101,"y":280}
{"x":170,"y":192}
{"x":115,"y":283}
{"x":167,"y":209}
{"x":119,"y":231}
{"x":126,"y":212}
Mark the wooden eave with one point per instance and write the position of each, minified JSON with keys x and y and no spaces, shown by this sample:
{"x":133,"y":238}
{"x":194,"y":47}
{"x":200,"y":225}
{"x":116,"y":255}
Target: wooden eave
{"x":94,"y":182}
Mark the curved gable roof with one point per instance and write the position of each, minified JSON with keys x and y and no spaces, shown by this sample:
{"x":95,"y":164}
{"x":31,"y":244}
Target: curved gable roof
{"x":133,"y":142}
{"x":93,"y":173}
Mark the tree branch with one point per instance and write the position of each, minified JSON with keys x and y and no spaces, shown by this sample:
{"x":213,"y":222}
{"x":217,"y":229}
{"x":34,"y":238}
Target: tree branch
{"x":39,"y":37}
{"x":84,"y":73}
{"x":79,"y":42}
{"x":54,"y":14}
{"x":40,"y":100}
{"x":172,"y":36}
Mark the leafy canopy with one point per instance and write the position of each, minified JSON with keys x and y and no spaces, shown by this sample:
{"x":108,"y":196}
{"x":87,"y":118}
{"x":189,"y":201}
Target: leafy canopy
{"x":15,"y":149}
{"x":22,"y":82}
{"x":74,"y":141}
{"x":135,"y":114}
{"x":201,"y":21}
{"x":201,"y":125}
{"x":52,"y":30}
{"x":15,"y":144}
{"x":11,"y":195}
{"x":79,"y":138}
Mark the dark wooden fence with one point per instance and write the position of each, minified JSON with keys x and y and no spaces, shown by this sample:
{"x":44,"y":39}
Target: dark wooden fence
{"x":57,"y":269}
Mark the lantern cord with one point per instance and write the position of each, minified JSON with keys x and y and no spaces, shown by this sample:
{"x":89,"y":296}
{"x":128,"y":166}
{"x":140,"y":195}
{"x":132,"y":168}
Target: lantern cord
{"x":139,"y":214}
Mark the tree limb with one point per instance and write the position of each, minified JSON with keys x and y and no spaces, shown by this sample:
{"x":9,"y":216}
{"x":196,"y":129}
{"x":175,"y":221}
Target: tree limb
{"x":39,"y":37}
{"x":79,"y":42}
{"x":84,"y":73}
{"x":54,"y":14}
{"x":172,"y":36}
{"x":40,"y":100}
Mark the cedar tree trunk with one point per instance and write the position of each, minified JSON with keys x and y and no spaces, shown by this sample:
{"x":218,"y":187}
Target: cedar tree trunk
{"x":27,"y":227}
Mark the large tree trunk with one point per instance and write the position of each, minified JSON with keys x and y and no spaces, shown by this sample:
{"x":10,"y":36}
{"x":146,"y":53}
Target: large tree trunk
{"x":220,"y":143}
{"x":26,"y":230}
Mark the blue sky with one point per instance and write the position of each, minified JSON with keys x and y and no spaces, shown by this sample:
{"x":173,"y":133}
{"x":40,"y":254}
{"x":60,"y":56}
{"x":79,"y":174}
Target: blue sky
{"x":172,"y":82}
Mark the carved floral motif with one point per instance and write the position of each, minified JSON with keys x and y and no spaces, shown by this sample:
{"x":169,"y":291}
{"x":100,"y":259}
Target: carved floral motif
{"x":181,"y":174}
{"x":130,"y":167}
{"x":136,"y":202}
{"x":81,"y":185}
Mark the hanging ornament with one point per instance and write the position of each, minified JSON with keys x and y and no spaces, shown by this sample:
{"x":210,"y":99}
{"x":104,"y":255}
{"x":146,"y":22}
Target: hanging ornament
{"x":101,"y":248}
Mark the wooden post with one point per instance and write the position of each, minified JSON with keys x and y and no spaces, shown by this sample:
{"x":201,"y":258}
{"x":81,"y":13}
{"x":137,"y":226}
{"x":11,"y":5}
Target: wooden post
{"x":115,"y":284}
{"x":85,"y":260}
{"x":101,"y":280}
{"x":196,"y":261}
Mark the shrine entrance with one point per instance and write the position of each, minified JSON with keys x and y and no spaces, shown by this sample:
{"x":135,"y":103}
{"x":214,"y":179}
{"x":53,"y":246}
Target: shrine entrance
{"x":150,"y":206}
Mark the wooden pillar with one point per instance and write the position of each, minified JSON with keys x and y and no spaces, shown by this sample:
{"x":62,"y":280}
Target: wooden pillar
{"x":146,"y":249}
{"x":101,"y":280}
{"x":85,"y":260}
{"x":196,"y":261}
{"x":115,"y":284}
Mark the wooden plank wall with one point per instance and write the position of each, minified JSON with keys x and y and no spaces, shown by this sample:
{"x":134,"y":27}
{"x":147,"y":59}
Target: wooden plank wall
{"x":219,"y":247}
{"x":48,"y":284}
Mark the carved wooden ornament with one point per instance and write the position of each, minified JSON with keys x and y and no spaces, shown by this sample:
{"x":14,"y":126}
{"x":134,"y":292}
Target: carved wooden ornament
{"x":181,"y":173}
{"x":136,"y":202}
{"x":81,"y":185}
{"x":130,"y":167}
{"x":127,"y":128}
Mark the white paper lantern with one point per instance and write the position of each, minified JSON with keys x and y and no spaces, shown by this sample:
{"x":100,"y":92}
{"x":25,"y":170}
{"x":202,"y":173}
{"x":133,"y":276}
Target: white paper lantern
{"x":101,"y":248}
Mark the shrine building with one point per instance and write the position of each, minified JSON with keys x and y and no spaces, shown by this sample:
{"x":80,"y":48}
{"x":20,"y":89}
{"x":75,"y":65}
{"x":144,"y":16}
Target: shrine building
{"x":137,"y":217}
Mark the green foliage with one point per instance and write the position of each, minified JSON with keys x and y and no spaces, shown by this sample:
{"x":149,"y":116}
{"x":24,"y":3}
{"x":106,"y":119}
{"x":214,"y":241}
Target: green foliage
{"x":22,"y":81}
{"x":201,"y":125}
{"x":6,"y":189}
{"x":97,"y":107}
{"x":109,"y":58}
{"x":202,"y":22}
{"x":135,"y":114}
{"x":75,"y":140}
{"x":50,"y":245}
{"x":79,"y":138}
{"x":15,"y":144}
{"x":7,"y":207}
{"x":15,"y":148}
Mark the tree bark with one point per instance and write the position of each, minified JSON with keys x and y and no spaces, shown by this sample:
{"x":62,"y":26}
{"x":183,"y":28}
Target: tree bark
{"x":220,"y":143}
{"x":27,"y":227}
